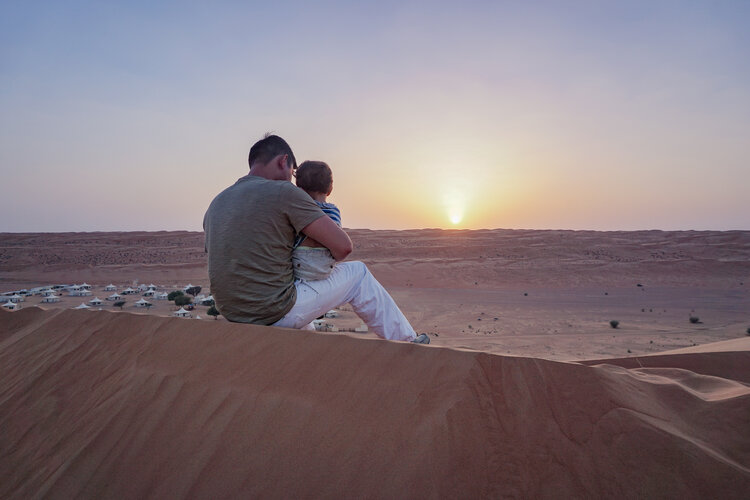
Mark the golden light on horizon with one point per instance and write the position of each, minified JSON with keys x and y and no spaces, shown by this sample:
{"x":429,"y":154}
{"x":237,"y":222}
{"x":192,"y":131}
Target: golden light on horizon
{"x":455,"y":204}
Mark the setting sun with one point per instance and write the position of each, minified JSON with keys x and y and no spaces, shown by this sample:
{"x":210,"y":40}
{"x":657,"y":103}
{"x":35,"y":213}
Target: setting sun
{"x":455,"y":197}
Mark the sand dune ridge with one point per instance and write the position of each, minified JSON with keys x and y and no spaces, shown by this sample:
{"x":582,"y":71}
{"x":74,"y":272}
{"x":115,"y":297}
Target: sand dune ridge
{"x":101,"y":404}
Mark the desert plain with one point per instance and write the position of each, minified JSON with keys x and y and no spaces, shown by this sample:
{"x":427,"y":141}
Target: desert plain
{"x":526,"y":390}
{"x":548,"y":294}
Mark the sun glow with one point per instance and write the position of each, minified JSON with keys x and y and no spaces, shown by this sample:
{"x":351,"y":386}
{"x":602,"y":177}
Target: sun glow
{"x":455,"y":203}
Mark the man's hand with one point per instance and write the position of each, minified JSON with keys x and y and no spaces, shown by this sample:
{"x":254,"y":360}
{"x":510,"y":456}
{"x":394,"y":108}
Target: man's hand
{"x":328,"y":234}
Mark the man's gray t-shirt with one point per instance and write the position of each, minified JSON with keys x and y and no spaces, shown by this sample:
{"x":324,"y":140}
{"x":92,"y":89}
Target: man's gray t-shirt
{"x":250,"y":229}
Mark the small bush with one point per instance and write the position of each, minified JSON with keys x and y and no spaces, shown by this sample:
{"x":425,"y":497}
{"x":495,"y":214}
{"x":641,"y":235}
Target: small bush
{"x":748,"y":330}
{"x":174,"y":295}
{"x":119,"y":304}
{"x":193,"y":290}
{"x":695,"y":319}
{"x":614,"y":323}
{"x":182,"y":300}
{"x":212,"y":311}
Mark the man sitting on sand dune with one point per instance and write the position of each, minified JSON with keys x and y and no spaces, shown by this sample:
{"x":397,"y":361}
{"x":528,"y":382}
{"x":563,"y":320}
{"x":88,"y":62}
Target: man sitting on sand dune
{"x":250,"y":229}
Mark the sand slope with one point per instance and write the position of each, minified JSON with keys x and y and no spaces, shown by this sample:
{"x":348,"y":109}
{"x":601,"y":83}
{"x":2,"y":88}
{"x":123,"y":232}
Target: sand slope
{"x":108,"y":405}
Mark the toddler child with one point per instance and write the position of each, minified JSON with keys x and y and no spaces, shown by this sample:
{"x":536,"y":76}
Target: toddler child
{"x":311,"y":260}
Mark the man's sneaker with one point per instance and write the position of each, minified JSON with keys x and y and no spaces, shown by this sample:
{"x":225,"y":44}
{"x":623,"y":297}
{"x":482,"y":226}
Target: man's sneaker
{"x":422,"y":338}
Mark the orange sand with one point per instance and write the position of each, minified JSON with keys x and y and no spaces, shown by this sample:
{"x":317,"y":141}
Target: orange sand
{"x":117,"y":405}
{"x":548,"y":294}
{"x":101,"y":404}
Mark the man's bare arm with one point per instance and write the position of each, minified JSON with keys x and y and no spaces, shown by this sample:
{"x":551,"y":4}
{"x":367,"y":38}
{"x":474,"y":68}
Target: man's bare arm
{"x":335,"y":239}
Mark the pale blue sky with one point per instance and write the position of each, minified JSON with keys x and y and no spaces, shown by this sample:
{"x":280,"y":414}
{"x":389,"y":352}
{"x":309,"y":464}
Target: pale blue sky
{"x":578,"y":115}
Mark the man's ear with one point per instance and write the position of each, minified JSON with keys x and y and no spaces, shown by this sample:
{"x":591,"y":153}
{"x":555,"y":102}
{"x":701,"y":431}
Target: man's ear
{"x":281,"y":161}
{"x":330,"y":189}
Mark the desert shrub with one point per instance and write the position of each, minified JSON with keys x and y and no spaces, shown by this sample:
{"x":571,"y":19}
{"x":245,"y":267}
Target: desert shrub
{"x":182,"y":300}
{"x":193,"y":290}
{"x":614,"y":323}
{"x":174,"y":295}
{"x":748,"y":330}
{"x":212,"y":311}
{"x":119,"y":304}
{"x":695,"y":319}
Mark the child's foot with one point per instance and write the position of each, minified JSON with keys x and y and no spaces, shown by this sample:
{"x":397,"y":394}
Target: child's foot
{"x":422,"y":338}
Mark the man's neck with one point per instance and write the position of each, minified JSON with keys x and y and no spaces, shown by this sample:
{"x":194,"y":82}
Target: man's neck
{"x":263,"y":173}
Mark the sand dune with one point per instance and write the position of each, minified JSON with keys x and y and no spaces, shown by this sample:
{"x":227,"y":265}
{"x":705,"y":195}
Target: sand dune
{"x":116,"y":405}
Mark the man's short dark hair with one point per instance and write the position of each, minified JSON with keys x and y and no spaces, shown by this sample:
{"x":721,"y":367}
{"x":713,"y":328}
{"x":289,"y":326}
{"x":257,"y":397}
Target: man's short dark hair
{"x":315,"y":176}
{"x":269,"y":148}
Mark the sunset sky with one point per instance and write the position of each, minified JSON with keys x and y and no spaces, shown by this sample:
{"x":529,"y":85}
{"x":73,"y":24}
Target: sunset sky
{"x":567,"y":114}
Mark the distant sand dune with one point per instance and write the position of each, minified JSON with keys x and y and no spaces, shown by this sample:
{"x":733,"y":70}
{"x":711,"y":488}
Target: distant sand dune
{"x":430,"y":258}
{"x":116,"y":405}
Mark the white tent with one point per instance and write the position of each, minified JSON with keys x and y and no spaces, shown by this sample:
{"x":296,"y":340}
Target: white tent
{"x":332,"y":314}
{"x":81,"y":292}
{"x":129,"y":291}
{"x":161,"y":296}
{"x":16,"y":298}
{"x":206,"y":301}
{"x":114,"y":296}
{"x":142,"y":303}
{"x":182,"y":313}
{"x":86,"y":286}
{"x":11,"y":306}
{"x":110,"y":288}
{"x":82,"y":306}
{"x":47,"y":293}
{"x":96,"y":301}
{"x":51,"y":298}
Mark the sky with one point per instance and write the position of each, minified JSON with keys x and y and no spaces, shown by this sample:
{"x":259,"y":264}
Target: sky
{"x":119,"y":116}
